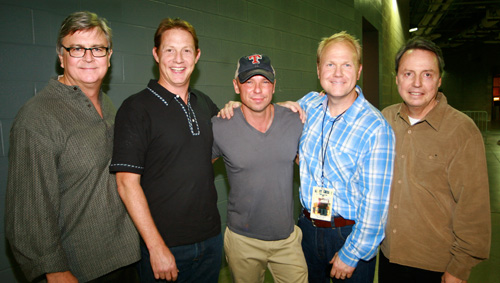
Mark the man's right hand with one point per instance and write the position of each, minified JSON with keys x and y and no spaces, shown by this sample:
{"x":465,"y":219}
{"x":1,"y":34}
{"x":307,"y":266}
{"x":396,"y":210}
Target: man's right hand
{"x":163,"y":263}
{"x":61,"y":277}
{"x":161,"y":259}
{"x":448,"y":278}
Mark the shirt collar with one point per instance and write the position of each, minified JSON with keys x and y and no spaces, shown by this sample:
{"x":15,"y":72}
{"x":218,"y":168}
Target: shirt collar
{"x":167,"y":95}
{"x":351,"y":114}
{"x":434,"y":118}
{"x":73,"y":91}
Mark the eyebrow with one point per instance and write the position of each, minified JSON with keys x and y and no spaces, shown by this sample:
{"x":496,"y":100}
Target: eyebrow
{"x":412,"y":70}
{"x":81,"y":45}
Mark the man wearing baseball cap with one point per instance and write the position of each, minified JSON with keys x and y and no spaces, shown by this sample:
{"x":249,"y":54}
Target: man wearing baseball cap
{"x":259,"y":146}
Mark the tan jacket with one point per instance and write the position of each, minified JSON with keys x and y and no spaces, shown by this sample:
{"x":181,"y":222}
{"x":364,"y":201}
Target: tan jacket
{"x":439,"y":212}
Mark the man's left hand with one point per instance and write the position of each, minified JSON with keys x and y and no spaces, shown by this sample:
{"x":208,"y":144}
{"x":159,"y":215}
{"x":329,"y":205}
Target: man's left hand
{"x":448,"y":278}
{"x":340,"y":270}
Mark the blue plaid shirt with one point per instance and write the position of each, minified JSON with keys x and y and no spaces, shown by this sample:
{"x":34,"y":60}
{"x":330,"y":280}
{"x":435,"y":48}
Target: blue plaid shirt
{"x":358,"y":166}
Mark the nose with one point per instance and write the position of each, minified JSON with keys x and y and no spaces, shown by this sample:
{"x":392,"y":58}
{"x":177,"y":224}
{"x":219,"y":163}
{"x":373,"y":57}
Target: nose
{"x":87,"y":56}
{"x":178,"y":57}
{"x":258,"y":88}
{"x":417,"y":81}
{"x":338,"y":72}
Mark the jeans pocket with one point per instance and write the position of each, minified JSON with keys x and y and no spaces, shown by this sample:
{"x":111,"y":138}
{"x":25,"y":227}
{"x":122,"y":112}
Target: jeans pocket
{"x":343,"y":232}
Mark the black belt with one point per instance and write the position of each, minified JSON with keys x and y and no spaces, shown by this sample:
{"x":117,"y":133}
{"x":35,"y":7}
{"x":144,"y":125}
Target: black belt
{"x":338,"y":221}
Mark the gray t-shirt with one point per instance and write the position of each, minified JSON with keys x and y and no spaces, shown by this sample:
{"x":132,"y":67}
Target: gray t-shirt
{"x":260,"y":172}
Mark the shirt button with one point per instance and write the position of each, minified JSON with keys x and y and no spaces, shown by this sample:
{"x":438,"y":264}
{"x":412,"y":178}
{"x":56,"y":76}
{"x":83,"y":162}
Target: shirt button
{"x":409,"y":131}
{"x":403,"y":156}
{"x":394,"y":231}
{"x":395,"y":206}
{"x":75,"y":88}
{"x":399,"y":182}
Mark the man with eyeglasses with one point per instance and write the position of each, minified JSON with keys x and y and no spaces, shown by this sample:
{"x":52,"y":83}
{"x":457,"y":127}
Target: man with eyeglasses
{"x":64,"y":218}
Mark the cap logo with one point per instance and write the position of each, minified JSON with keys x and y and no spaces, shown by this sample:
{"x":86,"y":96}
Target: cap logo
{"x":255,"y":58}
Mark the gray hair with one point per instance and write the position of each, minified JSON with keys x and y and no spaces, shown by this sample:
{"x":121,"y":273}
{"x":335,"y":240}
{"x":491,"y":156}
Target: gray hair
{"x":83,"y":21}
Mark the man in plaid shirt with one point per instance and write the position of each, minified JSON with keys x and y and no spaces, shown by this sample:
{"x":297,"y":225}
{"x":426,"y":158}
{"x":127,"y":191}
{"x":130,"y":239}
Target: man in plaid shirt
{"x":346,"y":164}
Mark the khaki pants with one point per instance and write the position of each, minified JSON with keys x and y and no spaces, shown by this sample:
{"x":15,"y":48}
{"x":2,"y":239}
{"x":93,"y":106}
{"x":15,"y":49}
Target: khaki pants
{"x":249,"y":257}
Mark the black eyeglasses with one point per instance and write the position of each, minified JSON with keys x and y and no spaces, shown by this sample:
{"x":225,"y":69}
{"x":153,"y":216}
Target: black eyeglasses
{"x":79,"y":52}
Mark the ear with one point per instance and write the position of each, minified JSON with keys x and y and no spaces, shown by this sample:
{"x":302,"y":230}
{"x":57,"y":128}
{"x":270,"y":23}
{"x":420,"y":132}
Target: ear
{"x":317,"y":70}
{"x":359,"y":71}
{"x":274,"y":86}
{"x":109,"y":57}
{"x":155,"y":54}
{"x":61,"y":60}
{"x":397,"y":82}
{"x":236,"y":87}
{"x":197,"y":56}
{"x":439,"y":84}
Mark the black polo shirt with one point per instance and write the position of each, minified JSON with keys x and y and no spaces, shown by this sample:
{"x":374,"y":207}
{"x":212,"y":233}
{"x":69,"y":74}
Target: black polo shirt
{"x":154,"y":138}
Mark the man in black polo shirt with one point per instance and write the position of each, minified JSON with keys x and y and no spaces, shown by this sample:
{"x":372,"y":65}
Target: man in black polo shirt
{"x":162,"y":159}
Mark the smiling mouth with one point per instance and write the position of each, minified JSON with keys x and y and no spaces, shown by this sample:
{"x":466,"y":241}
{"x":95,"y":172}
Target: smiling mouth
{"x":177,"y":69}
{"x":416,"y":93}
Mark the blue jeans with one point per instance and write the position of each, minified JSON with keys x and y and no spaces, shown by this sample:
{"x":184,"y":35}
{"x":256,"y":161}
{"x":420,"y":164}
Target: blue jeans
{"x":321,"y":244}
{"x":389,"y":272}
{"x":198,"y":262}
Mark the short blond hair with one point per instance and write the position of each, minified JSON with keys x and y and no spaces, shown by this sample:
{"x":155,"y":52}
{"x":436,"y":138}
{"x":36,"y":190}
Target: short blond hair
{"x":342,"y":36}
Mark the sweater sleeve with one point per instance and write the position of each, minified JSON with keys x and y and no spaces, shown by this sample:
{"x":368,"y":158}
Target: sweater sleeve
{"x":32,"y":204}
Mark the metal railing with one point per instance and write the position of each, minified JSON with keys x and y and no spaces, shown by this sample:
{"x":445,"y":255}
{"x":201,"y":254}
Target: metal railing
{"x":480,"y":118}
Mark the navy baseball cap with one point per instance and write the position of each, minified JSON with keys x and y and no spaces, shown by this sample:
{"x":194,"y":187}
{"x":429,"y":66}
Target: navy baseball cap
{"x":256,"y":64}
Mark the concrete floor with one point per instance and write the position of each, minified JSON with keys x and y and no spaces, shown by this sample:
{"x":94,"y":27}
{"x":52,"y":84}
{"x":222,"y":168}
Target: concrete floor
{"x":489,"y":270}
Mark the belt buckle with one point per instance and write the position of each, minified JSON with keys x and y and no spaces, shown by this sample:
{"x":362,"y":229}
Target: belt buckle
{"x":313,"y":221}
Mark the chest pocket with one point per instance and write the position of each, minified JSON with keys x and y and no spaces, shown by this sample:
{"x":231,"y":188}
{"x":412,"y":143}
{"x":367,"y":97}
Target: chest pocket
{"x":429,"y":167}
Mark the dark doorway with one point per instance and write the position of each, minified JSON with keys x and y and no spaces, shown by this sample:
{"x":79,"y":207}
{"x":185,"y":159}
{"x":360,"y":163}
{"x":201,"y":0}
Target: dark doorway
{"x":370,"y":63}
{"x":496,"y":98}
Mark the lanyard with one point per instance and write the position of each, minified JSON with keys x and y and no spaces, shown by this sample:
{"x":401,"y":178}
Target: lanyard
{"x":323,"y":148}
